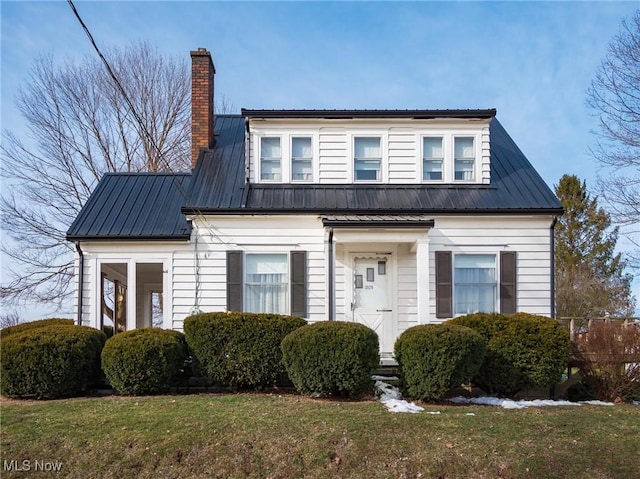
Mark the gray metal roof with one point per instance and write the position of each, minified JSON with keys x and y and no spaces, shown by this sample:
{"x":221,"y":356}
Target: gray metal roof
{"x":151,"y":206}
{"x":134,"y":206}
{"x":219,"y":187}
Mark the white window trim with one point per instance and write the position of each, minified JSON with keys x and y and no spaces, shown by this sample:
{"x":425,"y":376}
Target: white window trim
{"x":313,"y":156}
{"x":286,"y":138}
{"x":443,"y":137}
{"x":476,"y":159}
{"x":287,"y":309}
{"x":383,"y":135}
{"x":448,"y":146}
{"x":496,"y":258}
{"x":259,"y":158}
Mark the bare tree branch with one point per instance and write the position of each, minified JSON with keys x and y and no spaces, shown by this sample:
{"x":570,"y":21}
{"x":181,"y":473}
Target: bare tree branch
{"x":80,"y":127}
{"x":614,"y":97}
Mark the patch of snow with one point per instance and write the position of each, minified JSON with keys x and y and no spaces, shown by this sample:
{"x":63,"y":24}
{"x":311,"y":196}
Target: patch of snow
{"x":471,"y":414}
{"x":597,"y":403}
{"x":384,"y":378}
{"x":511,"y":404}
{"x":390,"y":396}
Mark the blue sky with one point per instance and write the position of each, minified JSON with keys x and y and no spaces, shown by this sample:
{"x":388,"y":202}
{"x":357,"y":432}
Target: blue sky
{"x":532,"y":61}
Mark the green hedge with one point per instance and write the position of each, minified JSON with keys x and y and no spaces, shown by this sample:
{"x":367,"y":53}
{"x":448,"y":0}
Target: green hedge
{"x":331,"y":357}
{"x":19,"y":328}
{"x":435,"y":358}
{"x":143,"y":361}
{"x":524,"y":351}
{"x":240,"y":349}
{"x":51,"y":361}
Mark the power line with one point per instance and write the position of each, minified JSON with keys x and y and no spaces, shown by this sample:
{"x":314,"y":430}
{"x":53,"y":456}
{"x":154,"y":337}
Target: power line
{"x":115,"y":79}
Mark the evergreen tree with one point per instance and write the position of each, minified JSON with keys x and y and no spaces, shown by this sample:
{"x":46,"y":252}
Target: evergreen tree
{"x":590,"y":277}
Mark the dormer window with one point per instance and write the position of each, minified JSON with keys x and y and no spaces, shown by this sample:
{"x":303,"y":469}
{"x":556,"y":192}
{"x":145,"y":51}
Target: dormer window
{"x":432,"y":158}
{"x":367,"y":159}
{"x":301,"y":159}
{"x":464,"y":159}
{"x":270,"y":159}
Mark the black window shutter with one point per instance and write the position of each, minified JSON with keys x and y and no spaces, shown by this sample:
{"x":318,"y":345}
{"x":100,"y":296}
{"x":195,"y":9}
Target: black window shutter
{"x":299,"y":283}
{"x":234,"y":281}
{"x":444,"y":307}
{"x":508,"y":282}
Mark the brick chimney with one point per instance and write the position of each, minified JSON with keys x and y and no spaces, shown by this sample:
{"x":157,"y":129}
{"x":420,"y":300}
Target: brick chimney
{"x":202,"y":73}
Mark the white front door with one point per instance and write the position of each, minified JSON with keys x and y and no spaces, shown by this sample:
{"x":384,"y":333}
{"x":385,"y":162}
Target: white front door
{"x":372,"y":300}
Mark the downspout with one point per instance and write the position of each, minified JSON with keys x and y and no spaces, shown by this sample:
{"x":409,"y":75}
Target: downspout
{"x":552,"y":241}
{"x":80,"y":280}
{"x":331,"y":285}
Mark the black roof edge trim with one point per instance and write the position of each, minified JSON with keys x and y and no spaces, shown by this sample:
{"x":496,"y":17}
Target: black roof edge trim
{"x":129,"y":238}
{"x":379,"y":224}
{"x":345,"y":114}
{"x":187,"y":210}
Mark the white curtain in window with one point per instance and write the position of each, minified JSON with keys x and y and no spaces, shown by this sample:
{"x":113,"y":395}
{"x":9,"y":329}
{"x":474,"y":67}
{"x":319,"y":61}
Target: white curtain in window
{"x":475,"y":283}
{"x":270,"y":147}
{"x":266,"y":283}
{"x":301,"y":148}
{"x":432,"y":147}
{"x":464,"y":148}
{"x":367,"y":147}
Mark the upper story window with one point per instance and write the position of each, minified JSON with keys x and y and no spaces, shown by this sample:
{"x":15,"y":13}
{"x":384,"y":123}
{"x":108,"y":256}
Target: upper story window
{"x":301,"y":159}
{"x":464,"y":159}
{"x":367,"y":159}
{"x":270,"y":159}
{"x":432,"y":158}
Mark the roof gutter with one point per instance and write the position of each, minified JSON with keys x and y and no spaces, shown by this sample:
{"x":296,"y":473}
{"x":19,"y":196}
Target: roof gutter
{"x":552,"y":242}
{"x":346,"y":211}
{"x":80,"y":280}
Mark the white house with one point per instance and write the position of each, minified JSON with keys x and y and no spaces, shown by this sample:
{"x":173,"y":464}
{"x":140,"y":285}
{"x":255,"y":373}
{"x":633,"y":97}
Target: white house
{"x":390,"y":218}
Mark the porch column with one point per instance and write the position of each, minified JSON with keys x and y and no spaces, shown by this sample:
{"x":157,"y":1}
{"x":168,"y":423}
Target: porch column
{"x":422,"y":282}
{"x":132,"y":295}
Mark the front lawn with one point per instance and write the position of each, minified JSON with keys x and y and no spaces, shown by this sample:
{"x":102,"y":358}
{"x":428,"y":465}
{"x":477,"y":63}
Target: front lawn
{"x":288,"y":436}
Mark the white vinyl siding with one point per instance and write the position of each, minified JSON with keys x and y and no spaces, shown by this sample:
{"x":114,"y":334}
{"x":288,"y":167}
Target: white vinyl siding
{"x":401,"y":149}
{"x":528,"y":237}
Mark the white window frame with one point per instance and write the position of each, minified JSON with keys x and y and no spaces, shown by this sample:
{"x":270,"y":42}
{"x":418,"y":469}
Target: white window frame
{"x":442,"y":138}
{"x":259,"y":157}
{"x":382,"y":136}
{"x":496,"y":295}
{"x":474,"y":139}
{"x":448,"y":145}
{"x":292,"y":137}
{"x":287,"y":301}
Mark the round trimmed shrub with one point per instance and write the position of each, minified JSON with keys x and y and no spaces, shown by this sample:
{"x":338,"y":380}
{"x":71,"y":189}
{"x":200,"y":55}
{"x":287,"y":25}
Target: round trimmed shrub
{"x":434,"y":358}
{"x":19,"y":328}
{"x":524,"y":351}
{"x":331,"y":357}
{"x":144,"y":361}
{"x":240,"y":350}
{"x":51,"y":361}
